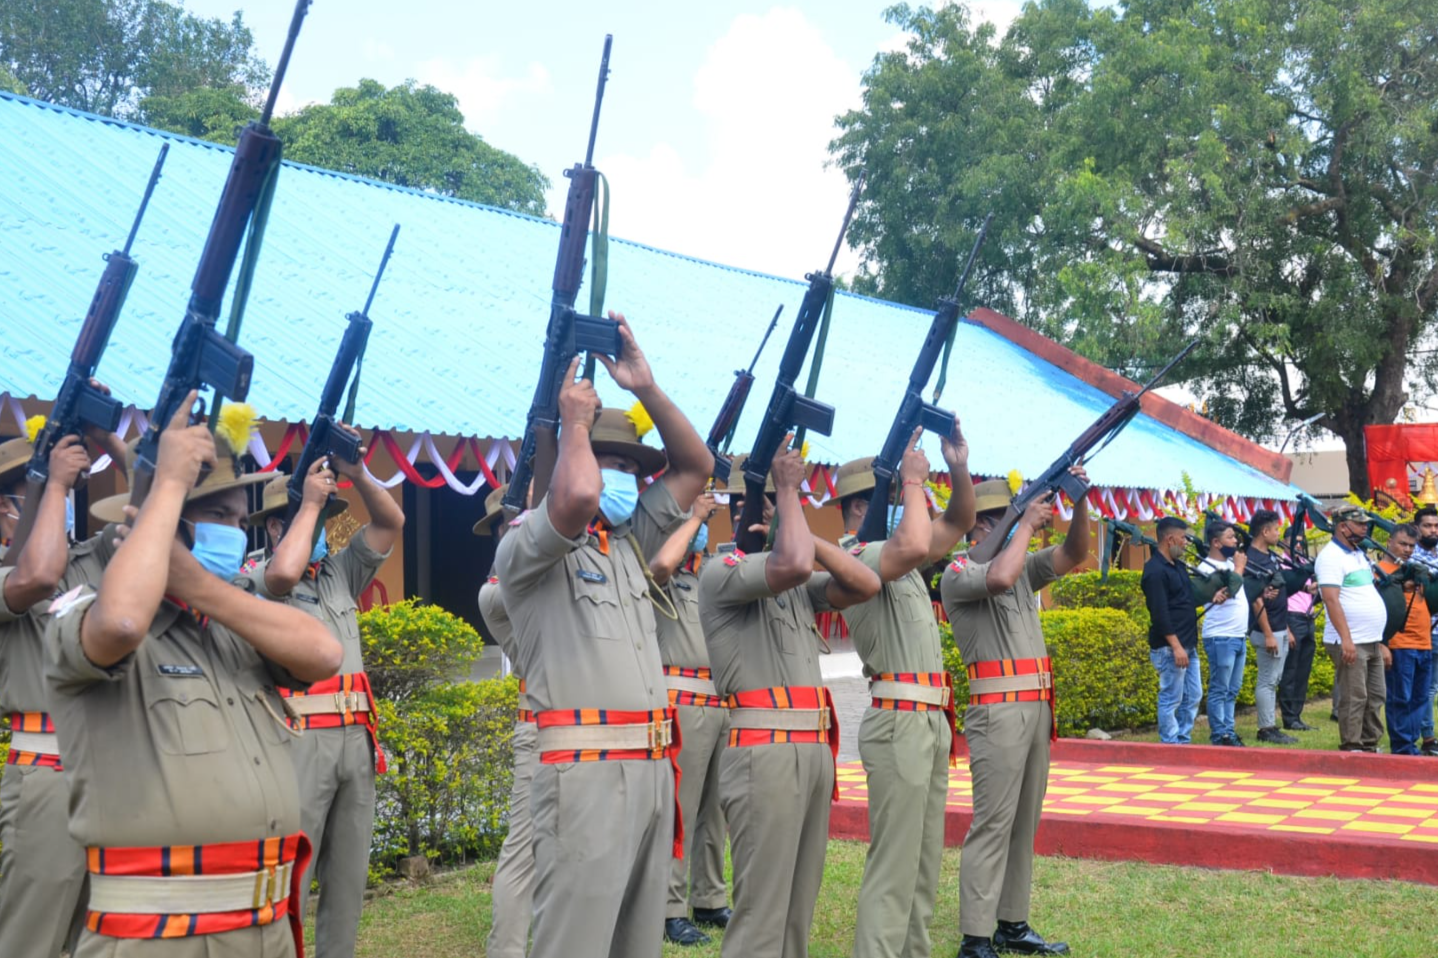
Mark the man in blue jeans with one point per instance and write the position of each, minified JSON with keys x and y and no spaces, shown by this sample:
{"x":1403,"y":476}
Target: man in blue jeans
{"x":1225,"y":627}
{"x":1426,"y":552}
{"x":1173,"y":632}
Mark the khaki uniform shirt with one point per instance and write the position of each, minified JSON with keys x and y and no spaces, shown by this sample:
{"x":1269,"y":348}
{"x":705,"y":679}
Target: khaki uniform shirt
{"x":757,"y":639}
{"x":1004,"y":626}
{"x":330,"y":595}
{"x":176,"y":743}
{"x":895,"y":631}
{"x":496,"y":619}
{"x":583,"y":622}
{"x":681,"y":641}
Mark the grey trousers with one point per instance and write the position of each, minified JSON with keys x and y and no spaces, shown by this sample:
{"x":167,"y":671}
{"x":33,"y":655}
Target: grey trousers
{"x":697,"y":879}
{"x":42,"y":869}
{"x":1009,"y":765}
{"x":1359,"y":690}
{"x":1270,"y":673}
{"x":512,"y":890}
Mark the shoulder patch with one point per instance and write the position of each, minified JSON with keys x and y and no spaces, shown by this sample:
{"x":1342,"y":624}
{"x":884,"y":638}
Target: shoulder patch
{"x":494,"y":580}
{"x":959,"y":564}
{"x":858,"y":549}
{"x":732,"y":559}
{"x":76,"y":598}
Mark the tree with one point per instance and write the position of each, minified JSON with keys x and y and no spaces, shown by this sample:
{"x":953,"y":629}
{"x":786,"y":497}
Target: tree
{"x":9,"y":84}
{"x":412,"y":136}
{"x":107,"y":56}
{"x":1259,"y":173}
{"x":206,"y":113}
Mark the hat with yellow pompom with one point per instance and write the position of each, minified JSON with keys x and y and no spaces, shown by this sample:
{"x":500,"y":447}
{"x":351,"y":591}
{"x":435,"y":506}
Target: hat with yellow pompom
{"x":15,"y":453}
{"x":622,"y":434}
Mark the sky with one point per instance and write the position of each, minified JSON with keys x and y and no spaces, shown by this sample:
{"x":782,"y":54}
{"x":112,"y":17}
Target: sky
{"x":716,"y":119}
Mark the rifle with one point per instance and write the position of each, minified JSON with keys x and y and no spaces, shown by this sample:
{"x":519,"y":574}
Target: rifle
{"x":326,"y":439}
{"x":200,"y":356}
{"x":569,"y":333}
{"x":722,"y":432}
{"x":1057,"y":477}
{"x":80,"y":405}
{"x":913,"y":411}
{"x":787,"y":407}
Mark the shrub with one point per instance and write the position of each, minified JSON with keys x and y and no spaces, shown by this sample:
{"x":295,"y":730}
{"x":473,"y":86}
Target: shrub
{"x":1086,"y":590}
{"x":409,"y":646}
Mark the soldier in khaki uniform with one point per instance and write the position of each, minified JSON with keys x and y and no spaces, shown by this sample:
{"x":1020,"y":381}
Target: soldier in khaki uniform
{"x":907,"y":738}
{"x":512,"y":888}
{"x":776,"y":778}
{"x":175,"y":750}
{"x":576,"y":587}
{"x":698,"y":877}
{"x":993,"y":608}
{"x":337,"y":757}
{"x":42,"y":869}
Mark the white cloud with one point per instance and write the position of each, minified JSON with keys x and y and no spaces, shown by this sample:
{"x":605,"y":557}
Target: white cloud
{"x":763,"y":197}
{"x":483,"y":92}
{"x":376,"y":51}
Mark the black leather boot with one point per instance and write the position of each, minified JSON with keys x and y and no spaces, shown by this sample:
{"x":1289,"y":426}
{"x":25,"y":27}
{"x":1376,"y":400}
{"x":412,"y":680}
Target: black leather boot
{"x":713,"y":917}
{"x":681,"y":931}
{"x":975,"y":947}
{"x":1018,"y":937}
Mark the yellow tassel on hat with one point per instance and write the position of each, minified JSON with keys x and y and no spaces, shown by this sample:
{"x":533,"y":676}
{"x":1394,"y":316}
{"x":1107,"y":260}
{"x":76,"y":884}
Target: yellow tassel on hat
{"x":638,"y":415}
{"x":33,"y":425}
{"x":804,"y":451}
{"x":1016,"y":481}
{"x":237,"y":421}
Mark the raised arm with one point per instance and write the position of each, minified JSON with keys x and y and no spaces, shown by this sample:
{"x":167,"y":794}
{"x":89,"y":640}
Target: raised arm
{"x":1076,"y":545}
{"x":690,"y":461}
{"x":574,"y":486}
{"x":791,"y":561}
{"x":386,"y":518}
{"x":850,"y":581}
{"x":292,"y":556}
{"x":958,"y":518}
{"x":908,"y":545}
{"x":675,"y":550}
{"x":1008,"y":565}
{"x":41,"y":563}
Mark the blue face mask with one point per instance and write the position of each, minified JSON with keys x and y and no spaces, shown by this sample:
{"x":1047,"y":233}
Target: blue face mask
{"x":895,"y":514}
{"x":619,"y":496}
{"x":69,"y":517}
{"x":701,"y":539}
{"x":321,"y":549}
{"x":220,"y":549}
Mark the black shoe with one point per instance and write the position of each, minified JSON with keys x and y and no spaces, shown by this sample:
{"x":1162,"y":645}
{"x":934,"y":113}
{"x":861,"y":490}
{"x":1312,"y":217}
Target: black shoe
{"x":974,"y":947}
{"x":681,"y":931}
{"x":1238,"y":740}
{"x":713,"y":917}
{"x":1332,"y":716}
{"x":1274,"y":737}
{"x":1429,"y":747}
{"x":1018,"y":937}
{"x":1298,"y":725}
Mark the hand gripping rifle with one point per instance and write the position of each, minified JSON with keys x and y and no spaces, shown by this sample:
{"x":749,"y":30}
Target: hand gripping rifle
{"x":568,"y":333}
{"x":79,"y":405}
{"x":1057,"y":477}
{"x":326,"y":439}
{"x":200,"y":355}
{"x":722,"y":432}
{"x":788,"y":408}
{"x":913,"y":411}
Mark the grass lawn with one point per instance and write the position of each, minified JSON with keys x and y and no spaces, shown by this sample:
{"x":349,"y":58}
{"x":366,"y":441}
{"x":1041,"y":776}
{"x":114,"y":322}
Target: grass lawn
{"x":1103,"y":909}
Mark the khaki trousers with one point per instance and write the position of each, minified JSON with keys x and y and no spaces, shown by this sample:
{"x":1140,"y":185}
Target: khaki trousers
{"x":512,"y":892}
{"x":906,"y":759}
{"x":776,"y":800}
{"x":42,"y":869}
{"x":274,"y":940}
{"x":1009,"y":765}
{"x":335,"y":770}
{"x":698,"y":878}
{"x":1361,"y":689}
{"x":603,"y":843}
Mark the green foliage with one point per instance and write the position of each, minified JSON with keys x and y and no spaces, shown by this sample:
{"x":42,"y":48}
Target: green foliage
{"x":409,"y":647}
{"x":9,"y":83}
{"x":1087,"y":590}
{"x":205,"y":113}
{"x":1259,"y":174}
{"x":412,"y":136}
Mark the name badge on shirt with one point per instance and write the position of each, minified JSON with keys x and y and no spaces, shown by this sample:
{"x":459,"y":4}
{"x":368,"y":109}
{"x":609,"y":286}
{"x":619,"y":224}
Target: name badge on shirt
{"x":311,"y":599}
{"x":683,"y":585}
{"x":585,"y":575}
{"x":181,"y":671}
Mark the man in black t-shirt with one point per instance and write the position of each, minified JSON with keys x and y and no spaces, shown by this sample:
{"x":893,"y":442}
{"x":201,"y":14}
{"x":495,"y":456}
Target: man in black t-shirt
{"x":1269,"y":637}
{"x":1173,"y":632}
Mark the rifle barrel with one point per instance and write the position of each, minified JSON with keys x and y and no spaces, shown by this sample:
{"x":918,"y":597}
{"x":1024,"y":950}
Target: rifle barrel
{"x":765,"y":341}
{"x":145,"y":200}
{"x":301,"y":8}
{"x":379,"y":273}
{"x":1158,"y":376}
{"x":598,"y":99}
{"x":848,"y":215}
{"x":973,"y":255}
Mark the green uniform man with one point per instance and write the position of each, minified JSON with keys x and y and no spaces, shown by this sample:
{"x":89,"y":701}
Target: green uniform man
{"x":337,"y":757}
{"x":42,"y":869}
{"x":776,"y":777}
{"x":576,"y":587}
{"x":697,"y":879}
{"x":907,"y":738}
{"x":512,"y":888}
{"x":993,"y":609}
{"x":163,"y":692}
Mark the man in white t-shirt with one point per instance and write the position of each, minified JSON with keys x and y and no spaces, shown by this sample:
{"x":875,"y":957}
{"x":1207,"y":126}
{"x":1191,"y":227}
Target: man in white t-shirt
{"x":1225,"y":632}
{"x":1353,"y":634}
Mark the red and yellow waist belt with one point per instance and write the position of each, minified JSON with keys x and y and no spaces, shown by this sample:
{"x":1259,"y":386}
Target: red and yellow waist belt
{"x":526,"y":714}
{"x":918,"y":692}
{"x":692,"y":687}
{"x":335,"y":703}
{"x":610,"y":735}
{"x":784,"y":714}
{"x":33,"y":741}
{"x":182,"y":891}
{"x":1014,"y":680}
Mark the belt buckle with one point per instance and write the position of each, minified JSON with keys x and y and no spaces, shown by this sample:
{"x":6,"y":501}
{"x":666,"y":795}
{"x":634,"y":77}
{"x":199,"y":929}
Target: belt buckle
{"x":1046,"y":680}
{"x":266,"y":884}
{"x":823,"y":724}
{"x":946,"y":697}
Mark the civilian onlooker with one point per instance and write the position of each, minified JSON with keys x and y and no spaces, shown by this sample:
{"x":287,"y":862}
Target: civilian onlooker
{"x":1353,"y":633}
{"x":1225,"y":631}
{"x":1411,"y":650}
{"x":1427,"y":553}
{"x":1269,"y":633}
{"x":1293,"y":687}
{"x":1173,"y":632}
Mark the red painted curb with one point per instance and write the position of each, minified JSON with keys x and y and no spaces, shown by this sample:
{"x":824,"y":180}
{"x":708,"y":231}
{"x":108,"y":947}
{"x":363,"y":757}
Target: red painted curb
{"x":1252,"y":759}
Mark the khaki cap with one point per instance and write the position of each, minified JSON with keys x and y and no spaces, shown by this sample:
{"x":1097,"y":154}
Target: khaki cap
{"x":992,"y":494}
{"x":277,"y":500}
{"x":493,"y":509}
{"x":854,"y":477}
{"x":736,"y":486}
{"x":221,"y":478}
{"x":14,"y":458}
{"x":614,"y":433}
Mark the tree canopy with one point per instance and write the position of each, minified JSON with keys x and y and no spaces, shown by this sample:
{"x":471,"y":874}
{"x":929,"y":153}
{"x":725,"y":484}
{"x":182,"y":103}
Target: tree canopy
{"x":1259,"y":174}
